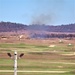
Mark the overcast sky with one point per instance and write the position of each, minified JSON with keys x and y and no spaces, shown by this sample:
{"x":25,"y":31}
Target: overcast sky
{"x":51,"y":12}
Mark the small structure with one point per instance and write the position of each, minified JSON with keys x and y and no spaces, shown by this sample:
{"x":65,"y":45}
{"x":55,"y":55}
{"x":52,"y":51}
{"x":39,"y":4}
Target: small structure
{"x":4,"y":38}
{"x":60,"y":41}
{"x":20,"y":36}
{"x":69,"y":44}
{"x":52,"y":45}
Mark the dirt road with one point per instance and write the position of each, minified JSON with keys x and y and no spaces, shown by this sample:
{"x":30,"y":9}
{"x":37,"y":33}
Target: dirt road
{"x":34,"y":71}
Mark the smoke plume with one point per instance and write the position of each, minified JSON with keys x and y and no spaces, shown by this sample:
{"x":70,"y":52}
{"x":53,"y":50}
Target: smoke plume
{"x":42,"y":19}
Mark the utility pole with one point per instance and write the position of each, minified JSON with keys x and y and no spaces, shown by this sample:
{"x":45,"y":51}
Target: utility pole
{"x":15,"y":63}
{"x":15,"y":60}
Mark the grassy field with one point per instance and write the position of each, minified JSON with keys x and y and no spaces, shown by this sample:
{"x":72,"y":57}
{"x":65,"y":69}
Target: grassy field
{"x":61,"y":57}
{"x":69,"y":73}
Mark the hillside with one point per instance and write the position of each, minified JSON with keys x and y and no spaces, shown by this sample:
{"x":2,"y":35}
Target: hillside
{"x":12,"y":27}
{"x":61,"y":28}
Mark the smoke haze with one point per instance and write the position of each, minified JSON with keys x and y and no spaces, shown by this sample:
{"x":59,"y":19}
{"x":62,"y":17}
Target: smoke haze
{"x":42,"y":19}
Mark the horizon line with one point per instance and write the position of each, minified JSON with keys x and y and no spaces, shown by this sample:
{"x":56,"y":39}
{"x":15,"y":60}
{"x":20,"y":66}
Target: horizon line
{"x":37,"y":24}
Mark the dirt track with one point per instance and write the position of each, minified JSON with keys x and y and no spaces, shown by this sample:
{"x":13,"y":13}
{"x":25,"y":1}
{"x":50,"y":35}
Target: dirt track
{"x":34,"y":71}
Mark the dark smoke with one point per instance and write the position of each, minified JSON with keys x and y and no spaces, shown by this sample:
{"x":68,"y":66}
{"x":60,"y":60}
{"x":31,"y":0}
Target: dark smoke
{"x":42,"y":19}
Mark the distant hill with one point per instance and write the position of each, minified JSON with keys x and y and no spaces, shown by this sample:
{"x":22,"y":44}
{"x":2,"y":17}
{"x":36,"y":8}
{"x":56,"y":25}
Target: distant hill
{"x":13,"y":27}
{"x":61,"y":28}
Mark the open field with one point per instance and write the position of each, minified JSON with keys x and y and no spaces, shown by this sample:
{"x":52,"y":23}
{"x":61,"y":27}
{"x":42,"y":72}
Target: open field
{"x":69,"y":73}
{"x":45,"y":57}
